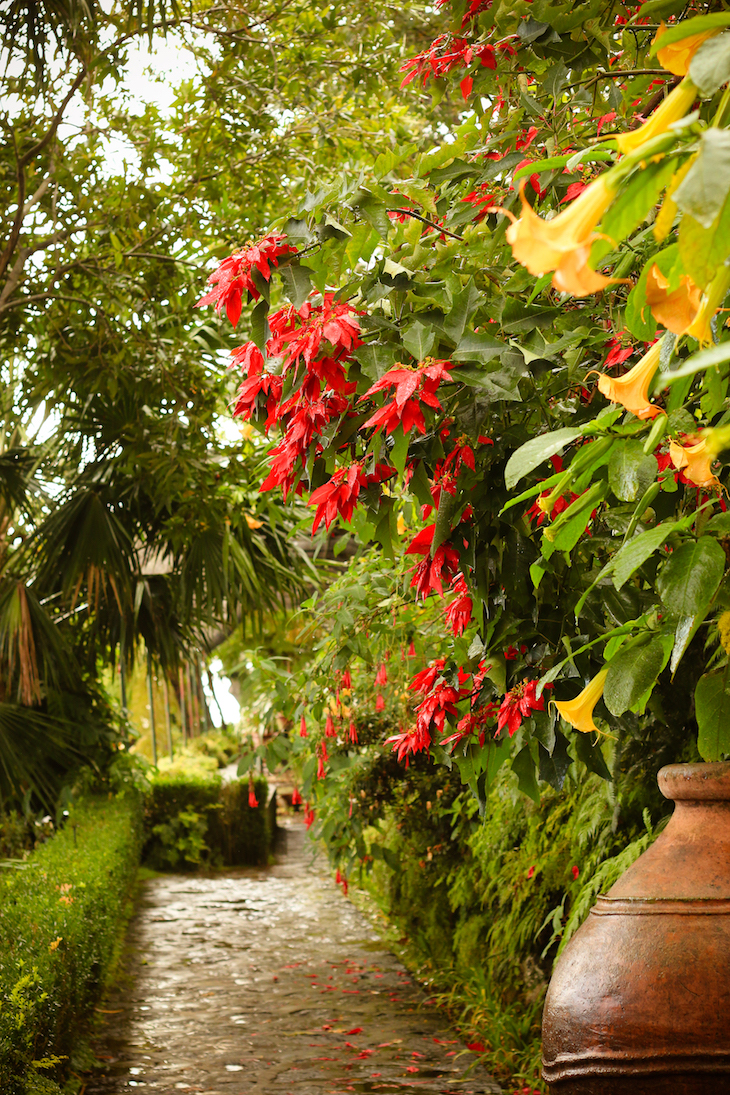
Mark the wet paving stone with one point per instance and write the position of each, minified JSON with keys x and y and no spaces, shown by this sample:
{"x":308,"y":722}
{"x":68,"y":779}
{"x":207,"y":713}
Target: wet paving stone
{"x":269,"y":982}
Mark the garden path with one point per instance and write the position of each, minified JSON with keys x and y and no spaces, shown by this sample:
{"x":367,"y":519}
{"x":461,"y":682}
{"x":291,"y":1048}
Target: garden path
{"x":267,"y":980}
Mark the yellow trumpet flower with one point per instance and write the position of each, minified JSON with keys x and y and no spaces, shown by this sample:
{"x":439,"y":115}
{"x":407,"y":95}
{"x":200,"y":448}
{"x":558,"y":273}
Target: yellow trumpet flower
{"x":674,"y":107}
{"x":632,"y":389}
{"x":677,"y":56}
{"x":694,"y":461}
{"x":573,"y":274}
{"x":579,"y":712}
{"x":543,"y":245}
{"x":676,"y":310}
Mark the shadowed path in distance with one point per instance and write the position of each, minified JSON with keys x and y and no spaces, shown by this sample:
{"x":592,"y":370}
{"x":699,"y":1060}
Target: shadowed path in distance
{"x":267,"y":981}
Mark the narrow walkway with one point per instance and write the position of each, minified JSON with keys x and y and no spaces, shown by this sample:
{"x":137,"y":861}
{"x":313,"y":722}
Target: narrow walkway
{"x":269,"y":982}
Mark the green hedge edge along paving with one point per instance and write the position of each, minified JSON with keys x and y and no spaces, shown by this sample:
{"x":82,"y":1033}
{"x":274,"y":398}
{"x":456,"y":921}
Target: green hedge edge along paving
{"x":59,"y":923}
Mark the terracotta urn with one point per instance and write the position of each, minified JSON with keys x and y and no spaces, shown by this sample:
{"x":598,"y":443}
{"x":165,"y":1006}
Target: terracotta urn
{"x":639,"y":1002}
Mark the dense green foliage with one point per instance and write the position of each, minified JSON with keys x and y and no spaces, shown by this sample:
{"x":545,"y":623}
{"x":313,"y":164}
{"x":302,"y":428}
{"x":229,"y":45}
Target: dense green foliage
{"x":192,"y":820}
{"x":60,"y":916}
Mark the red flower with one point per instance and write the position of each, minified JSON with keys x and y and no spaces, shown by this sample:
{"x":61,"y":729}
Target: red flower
{"x":409,"y":742}
{"x":517,"y":704}
{"x":303,"y":728}
{"x":353,"y":732}
{"x":252,"y":800}
{"x":339,"y":495}
{"x":432,"y":711}
{"x":379,"y":702}
{"x":472,"y":723}
{"x":322,"y":758}
{"x":381,"y":677}
{"x":346,"y":681}
{"x":430,"y":571}
{"x":329,"y":729}
{"x":459,"y":612}
{"x":575,"y":871}
{"x":412,"y":387}
{"x":296,"y":798}
{"x":234,"y":276}
{"x":309,"y":815}
{"x":531,"y":872}
{"x":424,"y":681}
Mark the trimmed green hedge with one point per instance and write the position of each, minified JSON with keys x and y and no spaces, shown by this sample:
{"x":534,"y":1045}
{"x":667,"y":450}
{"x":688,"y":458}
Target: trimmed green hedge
{"x":59,"y":923}
{"x":193,"y":820}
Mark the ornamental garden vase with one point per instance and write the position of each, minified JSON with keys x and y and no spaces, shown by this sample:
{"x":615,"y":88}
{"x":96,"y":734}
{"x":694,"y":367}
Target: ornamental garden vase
{"x":639,"y":1003}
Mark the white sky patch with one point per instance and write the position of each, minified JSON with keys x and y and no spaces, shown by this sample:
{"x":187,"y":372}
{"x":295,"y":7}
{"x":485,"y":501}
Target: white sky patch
{"x":229,"y":704}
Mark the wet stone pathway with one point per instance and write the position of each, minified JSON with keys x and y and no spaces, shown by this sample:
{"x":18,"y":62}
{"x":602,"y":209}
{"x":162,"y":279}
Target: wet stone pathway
{"x":267,"y":981}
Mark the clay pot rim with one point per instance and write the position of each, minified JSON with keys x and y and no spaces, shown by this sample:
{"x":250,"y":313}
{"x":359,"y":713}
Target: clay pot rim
{"x":696,"y":782}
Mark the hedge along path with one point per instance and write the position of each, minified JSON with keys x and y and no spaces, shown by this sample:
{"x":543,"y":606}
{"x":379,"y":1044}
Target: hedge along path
{"x":267,"y":980}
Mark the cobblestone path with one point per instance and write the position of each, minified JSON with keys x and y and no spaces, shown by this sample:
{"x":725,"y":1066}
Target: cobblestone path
{"x":269,"y":982}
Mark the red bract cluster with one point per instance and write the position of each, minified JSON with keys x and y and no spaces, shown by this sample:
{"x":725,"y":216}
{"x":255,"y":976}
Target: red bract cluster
{"x":312,"y":346}
{"x":445,"y":53}
{"x":234,"y":276}
{"x":517,"y":705}
{"x":340,"y":493}
{"x":412,"y":387}
{"x":459,"y":612}
{"x":433,"y":570}
{"x":447,"y":471}
{"x":474,"y":7}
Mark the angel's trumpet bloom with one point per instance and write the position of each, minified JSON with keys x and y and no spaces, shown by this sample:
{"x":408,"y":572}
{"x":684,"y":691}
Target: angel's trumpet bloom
{"x":677,"y":56}
{"x":676,"y":310}
{"x":694,"y":461}
{"x":632,"y":389}
{"x":579,"y":712}
{"x":701,"y":328}
{"x":573,"y":274}
{"x":542,"y":245}
{"x":674,"y":107}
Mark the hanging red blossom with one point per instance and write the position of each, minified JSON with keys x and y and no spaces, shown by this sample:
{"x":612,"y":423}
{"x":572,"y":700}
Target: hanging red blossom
{"x":353,"y":732}
{"x":517,"y":704}
{"x":346,"y":681}
{"x":432,"y":571}
{"x":252,"y":800}
{"x":303,"y":727}
{"x":329,"y":729}
{"x":234,"y":276}
{"x":412,"y":387}
{"x":379,"y":702}
{"x":309,"y":815}
{"x":340,"y":493}
{"x":296,"y":798}
{"x":459,"y":612}
{"x":381,"y":677}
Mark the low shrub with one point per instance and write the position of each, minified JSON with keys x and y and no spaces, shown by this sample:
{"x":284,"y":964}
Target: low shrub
{"x":193,"y":819}
{"x":59,"y":920}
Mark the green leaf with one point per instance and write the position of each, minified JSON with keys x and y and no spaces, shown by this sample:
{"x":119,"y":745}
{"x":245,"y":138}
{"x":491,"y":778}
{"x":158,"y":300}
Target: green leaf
{"x":260,"y":333}
{"x":709,"y":69}
{"x":703,"y":190}
{"x":632,"y":672}
{"x":399,"y":452}
{"x":524,"y":768}
{"x":376,"y":358}
{"x":634,"y":204}
{"x":716,"y":355}
{"x":689,"y":579}
{"x":477,"y":347}
{"x":418,"y":339}
{"x":464,"y":307}
{"x":535,"y":451}
{"x":554,"y":766}
{"x":712,"y":702}
{"x":630,"y":470}
{"x":297,"y":282}
{"x":589,"y":753}
{"x":719,"y":524}
{"x":498,"y":384}
{"x":704,"y":250}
